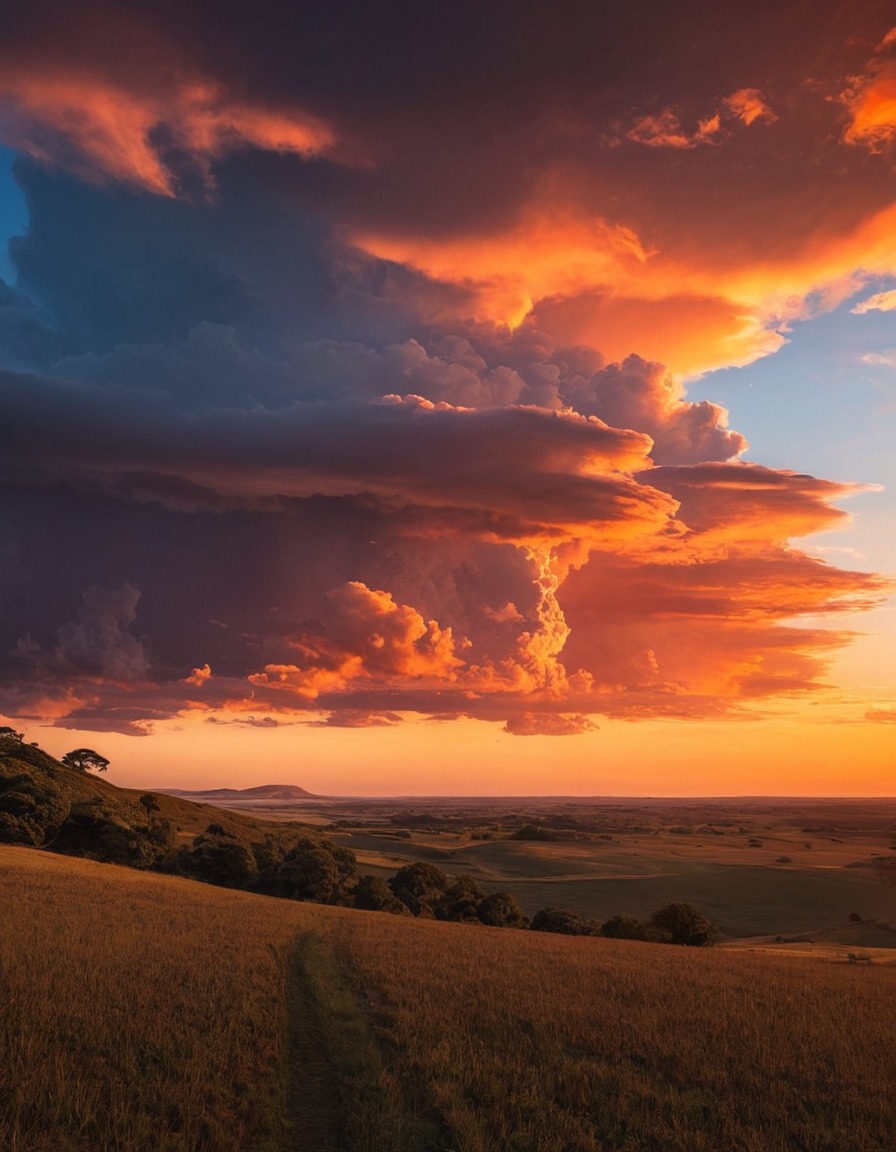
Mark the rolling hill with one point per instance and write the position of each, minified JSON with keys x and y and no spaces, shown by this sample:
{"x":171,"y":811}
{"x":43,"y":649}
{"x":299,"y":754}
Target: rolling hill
{"x":148,"y":1012}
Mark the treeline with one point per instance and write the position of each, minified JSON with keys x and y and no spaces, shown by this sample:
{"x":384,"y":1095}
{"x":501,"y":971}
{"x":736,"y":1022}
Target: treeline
{"x":57,"y":806}
{"x":307,"y":867}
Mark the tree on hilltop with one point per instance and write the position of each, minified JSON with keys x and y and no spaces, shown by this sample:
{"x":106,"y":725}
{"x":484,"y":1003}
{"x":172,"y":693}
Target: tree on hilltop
{"x":7,"y":733}
{"x":85,"y":760}
{"x":150,"y":803}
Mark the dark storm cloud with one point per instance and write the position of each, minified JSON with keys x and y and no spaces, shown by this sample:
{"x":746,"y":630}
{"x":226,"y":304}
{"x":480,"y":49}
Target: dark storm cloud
{"x":269,"y":449}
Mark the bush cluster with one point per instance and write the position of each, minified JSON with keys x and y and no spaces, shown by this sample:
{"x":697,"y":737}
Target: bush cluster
{"x":42,"y":804}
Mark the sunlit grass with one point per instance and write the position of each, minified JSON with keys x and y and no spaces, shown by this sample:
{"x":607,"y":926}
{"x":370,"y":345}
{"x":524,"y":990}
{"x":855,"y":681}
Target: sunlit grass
{"x":143,"y":1013}
{"x":139,"y":1012}
{"x":525,"y":1042}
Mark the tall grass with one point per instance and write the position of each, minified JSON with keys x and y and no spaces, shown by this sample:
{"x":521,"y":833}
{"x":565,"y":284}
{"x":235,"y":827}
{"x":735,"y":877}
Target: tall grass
{"x":138,"y":1012}
{"x":141,"y":1013}
{"x":556,"y":1044}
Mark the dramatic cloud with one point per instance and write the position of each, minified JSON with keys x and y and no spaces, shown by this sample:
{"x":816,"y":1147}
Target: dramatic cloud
{"x":98,"y":130}
{"x":343,"y":376}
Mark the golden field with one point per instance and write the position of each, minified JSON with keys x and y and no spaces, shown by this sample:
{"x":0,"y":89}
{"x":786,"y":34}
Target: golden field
{"x":143,"y":1013}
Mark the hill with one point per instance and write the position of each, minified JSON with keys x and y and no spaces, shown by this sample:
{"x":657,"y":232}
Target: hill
{"x":147,"y":1012}
{"x":283,"y":792}
{"x":46,"y":803}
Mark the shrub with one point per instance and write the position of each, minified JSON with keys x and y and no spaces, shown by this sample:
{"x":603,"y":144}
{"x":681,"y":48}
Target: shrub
{"x":374,"y":894}
{"x":420,"y":886}
{"x":624,"y":927}
{"x":461,"y":901}
{"x":102,"y":830}
{"x":29,"y":813}
{"x":220,"y":860}
{"x":559,"y":920}
{"x":500,"y":910}
{"x":314,"y":870}
{"x":683,"y":924}
{"x":533,"y":832}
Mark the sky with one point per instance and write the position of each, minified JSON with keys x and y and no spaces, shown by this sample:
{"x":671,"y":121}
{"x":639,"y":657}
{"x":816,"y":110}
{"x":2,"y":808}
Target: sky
{"x":492,"y":399}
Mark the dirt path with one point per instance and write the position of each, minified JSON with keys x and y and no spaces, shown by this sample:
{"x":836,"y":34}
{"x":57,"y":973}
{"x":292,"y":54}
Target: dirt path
{"x":312,"y":1096}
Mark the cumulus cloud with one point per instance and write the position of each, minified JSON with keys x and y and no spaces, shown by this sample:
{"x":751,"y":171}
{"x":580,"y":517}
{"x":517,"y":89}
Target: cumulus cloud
{"x":369,"y":637}
{"x":379,"y":427}
{"x":98,"y":641}
{"x":749,"y":105}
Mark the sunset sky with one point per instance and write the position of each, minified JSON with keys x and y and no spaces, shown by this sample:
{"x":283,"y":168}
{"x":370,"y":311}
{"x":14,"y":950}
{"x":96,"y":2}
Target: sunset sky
{"x":466,"y":399}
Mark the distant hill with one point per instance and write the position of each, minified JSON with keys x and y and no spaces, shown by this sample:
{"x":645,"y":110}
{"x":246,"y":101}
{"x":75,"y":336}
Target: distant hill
{"x":259,"y":792}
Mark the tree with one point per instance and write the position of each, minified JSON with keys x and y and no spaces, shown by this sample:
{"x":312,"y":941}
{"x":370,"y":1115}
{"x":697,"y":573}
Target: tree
{"x":501,"y":911}
{"x":421,"y":886}
{"x":219,"y":860}
{"x":684,"y":924}
{"x":85,"y":760}
{"x":374,"y":895}
{"x":559,"y":920}
{"x":622,"y":927}
{"x":149,"y":802}
{"x":314,"y":870}
{"x":7,"y":733}
{"x":461,"y":901}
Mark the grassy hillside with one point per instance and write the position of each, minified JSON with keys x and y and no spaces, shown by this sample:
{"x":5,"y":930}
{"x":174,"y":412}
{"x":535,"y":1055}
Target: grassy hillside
{"x":39,"y":794}
{"x":146,"y":1012}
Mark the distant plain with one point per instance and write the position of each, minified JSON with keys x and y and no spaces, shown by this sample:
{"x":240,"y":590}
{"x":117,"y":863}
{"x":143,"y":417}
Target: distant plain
{"x":812,"y":871}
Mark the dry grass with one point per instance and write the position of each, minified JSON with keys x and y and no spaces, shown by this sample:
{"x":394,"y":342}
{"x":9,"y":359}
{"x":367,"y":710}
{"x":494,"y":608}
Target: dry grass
{"x":139,"y":1012}
{"x":536,"y":1043}
{"x":149,"y":1014}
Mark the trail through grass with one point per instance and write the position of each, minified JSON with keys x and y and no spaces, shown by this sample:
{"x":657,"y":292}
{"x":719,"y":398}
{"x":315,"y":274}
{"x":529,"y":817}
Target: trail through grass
{"x":141,"y":1013}
{"x":312,"y":1100}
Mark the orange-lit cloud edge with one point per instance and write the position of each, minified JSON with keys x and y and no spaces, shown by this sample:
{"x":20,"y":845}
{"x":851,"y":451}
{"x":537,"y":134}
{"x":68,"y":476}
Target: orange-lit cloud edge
{"x":707,"y":545}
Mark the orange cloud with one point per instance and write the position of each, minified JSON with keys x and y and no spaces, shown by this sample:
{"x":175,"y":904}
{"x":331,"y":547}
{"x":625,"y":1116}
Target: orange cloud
{"x":551,"y":249}
{"x":104,"y":131}
{"x":199,"y":676}
{"x":690,"y":332}
{"x":547,"y":724}
{"x":369,"y":636}
{"x":871,"y":99}
{"x":706,"y":638}
{"x":665,"y":131}
{"x":726,"y":505}
{"x":749,"y":105}
{"x":583,"y":279}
